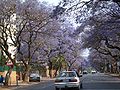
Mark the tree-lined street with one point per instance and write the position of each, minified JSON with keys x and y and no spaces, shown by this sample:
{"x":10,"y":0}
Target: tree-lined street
{"x":39,"y":39}
{"x":90,"y":82}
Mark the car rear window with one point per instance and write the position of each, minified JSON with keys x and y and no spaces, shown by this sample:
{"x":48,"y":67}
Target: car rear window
{"x":34,"y":75}
{"x":67,"y":74}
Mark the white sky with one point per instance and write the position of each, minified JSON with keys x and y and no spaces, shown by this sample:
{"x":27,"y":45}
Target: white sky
{"x":85,"y":53}
{"x":54,"y":2}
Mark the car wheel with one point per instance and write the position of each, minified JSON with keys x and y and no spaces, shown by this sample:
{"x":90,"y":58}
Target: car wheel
{"x":39,"y":80}
{"x":77,"y":88}
{"x":81,"y":86}
{"x":56,"y":88}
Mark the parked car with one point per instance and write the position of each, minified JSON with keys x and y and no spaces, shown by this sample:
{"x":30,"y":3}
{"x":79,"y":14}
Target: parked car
{"x":68,"y":79}
{"x":34,"y":77}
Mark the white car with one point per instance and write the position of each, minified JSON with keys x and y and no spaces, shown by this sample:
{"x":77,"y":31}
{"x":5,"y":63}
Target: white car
{"x":93,"y":71}
{"x":68,"y":79}
{"x":34,"y":77}
{"x":85,"y":72}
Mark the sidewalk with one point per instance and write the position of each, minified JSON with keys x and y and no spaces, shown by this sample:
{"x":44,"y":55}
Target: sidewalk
{"x":15,"y":86}
{"x":115,"y":75}
{"x":24,"y":84}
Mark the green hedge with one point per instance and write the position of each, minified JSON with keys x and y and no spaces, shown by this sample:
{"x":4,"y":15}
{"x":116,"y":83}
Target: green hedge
{"x":1,"y":68}
{"x":6,"y":68}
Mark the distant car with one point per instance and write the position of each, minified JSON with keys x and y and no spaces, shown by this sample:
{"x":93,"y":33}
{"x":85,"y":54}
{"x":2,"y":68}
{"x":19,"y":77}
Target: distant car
{"x":85,"y":72}
{"x":34,"y":77}
{"x":68,"y":79}
{"x":93,"y":71}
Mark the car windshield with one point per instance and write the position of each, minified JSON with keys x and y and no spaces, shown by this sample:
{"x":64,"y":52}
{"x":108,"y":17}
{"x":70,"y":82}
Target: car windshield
{"x":67,"y":74}
{"x":34,"y":75}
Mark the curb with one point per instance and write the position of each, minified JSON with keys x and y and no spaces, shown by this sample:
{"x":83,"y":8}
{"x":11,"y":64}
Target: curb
{"x":115,"y":75}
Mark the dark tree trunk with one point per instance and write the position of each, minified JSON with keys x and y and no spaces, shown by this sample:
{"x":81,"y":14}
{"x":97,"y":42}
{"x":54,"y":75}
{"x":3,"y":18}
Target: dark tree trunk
{"x":50,"y":69}
{"x":26,"y":74}
{"x":7,"y":77}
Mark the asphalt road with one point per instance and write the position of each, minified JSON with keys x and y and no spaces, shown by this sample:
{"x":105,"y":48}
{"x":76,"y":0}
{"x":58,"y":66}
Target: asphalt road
{"x":100,"y":82}
{"x":90,"y":82}
{"x":46,"y":85}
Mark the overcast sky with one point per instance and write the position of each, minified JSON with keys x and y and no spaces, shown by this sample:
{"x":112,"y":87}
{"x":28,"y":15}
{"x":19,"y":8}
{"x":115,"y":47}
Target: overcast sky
{"x":54,"y":2}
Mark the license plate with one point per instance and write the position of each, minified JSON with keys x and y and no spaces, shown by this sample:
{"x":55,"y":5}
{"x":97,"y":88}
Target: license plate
{"x":66,"y":80}
{"x":34,"y":77}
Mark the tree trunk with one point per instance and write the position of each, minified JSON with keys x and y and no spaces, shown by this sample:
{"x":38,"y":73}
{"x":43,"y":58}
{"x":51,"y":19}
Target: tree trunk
{"x":56,"y":72}
{"x":7,"y":77}
{"x":50,"y":69}
{"x":26,"y":74}
{"x":50,"y":72}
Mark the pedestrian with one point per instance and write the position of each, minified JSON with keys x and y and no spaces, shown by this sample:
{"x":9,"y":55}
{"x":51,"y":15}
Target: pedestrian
{"x":2,"y":80}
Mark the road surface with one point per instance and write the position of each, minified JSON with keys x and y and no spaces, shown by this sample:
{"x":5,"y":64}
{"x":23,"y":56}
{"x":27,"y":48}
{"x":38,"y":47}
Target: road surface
{"x":90,"y":82}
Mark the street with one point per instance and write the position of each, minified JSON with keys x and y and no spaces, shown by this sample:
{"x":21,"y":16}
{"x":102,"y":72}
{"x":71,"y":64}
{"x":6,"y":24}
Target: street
{"x":100,"y":82}
{"x":44,"y":85}
{"x":90,"y":82}
{"x":42,"y":38}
